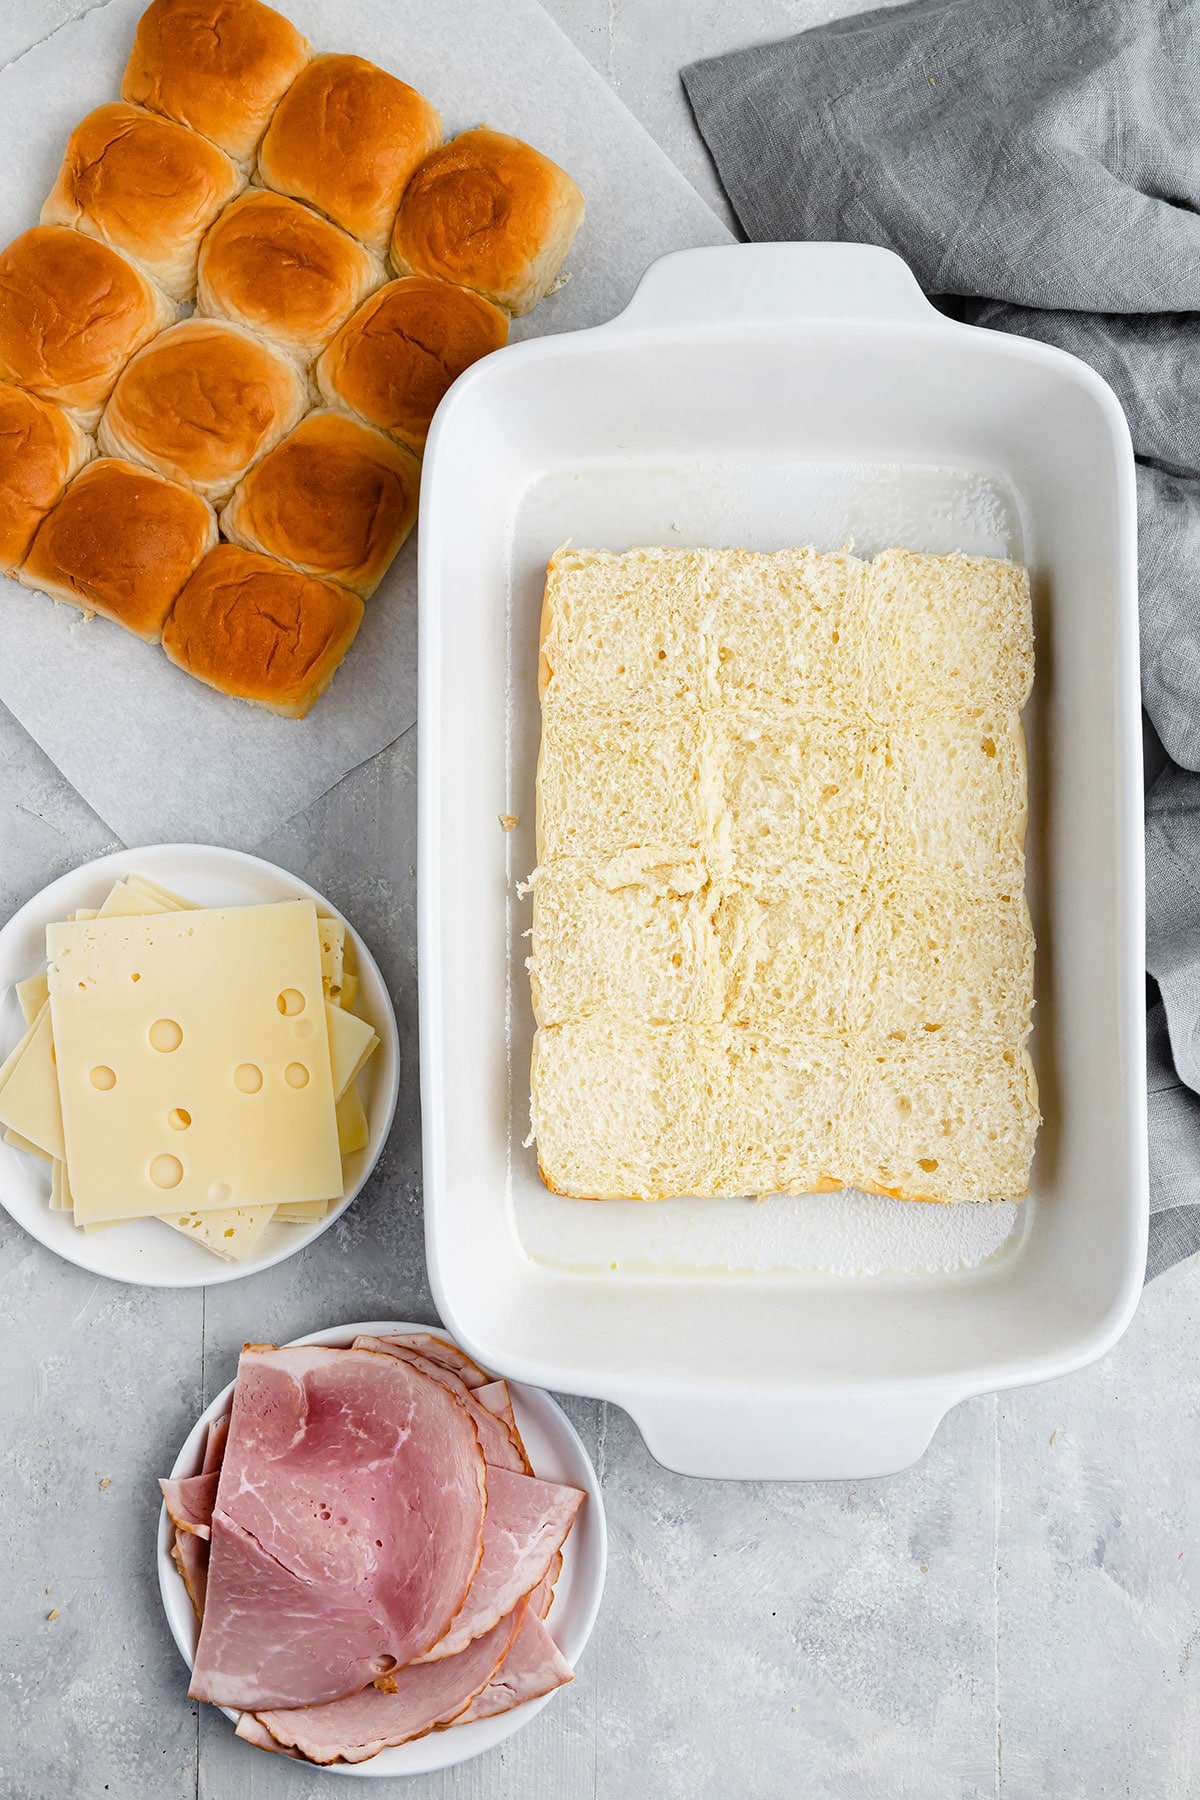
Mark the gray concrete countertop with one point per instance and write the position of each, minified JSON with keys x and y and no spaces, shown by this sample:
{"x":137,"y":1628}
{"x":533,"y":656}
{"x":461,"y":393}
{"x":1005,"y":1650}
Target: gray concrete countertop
{"x":1019,"y":1615}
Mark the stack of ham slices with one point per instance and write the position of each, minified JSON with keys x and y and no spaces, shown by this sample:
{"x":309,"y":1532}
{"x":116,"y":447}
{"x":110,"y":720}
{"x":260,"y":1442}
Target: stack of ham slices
{"x":367,"y":1548}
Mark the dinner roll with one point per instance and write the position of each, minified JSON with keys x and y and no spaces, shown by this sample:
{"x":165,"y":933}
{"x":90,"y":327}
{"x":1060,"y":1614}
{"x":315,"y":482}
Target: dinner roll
{"x":490,"y":213}
{"x":334,"y":499}
{"x":41,"y":449}
{"x":254,"y":628}
{"x":220,"y":66}
{"x":72,"y":313}
{"x":146,"y":186}
{"x":346,"y":138}
{"x":201,"y":403}
{"x":121,"y":542}
{"x":392,"y":362}
{"x":280,"y":269}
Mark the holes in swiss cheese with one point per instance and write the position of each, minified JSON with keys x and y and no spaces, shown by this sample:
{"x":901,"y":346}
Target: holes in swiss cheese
{"x":166,"y":1035}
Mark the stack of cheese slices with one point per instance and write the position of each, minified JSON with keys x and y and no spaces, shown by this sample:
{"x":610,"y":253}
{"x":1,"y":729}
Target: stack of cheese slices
{"x":367,"y":1549}
{"x":344,"y":266}
{"x":780,"y":938}
{"x":198,"y":1066}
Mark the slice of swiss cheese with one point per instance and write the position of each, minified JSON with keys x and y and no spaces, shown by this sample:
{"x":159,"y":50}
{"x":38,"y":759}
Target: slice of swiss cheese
{"x":171,"y":902}
{"x":32,"y":995}
{"x":303,"y":1212}
{"x":193,"y":1061}
{"x":234,"y":1233}
{"x":15,"y":1141}
{"x":126,"y":902}
{"x":351,"y":1043}
{"x":29,"y":1103}
{"x":353,"y":1130}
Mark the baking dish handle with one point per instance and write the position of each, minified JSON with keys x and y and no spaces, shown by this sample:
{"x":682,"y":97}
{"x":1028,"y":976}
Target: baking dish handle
{"x":789,"y":1436}
{"x":756,"y":284}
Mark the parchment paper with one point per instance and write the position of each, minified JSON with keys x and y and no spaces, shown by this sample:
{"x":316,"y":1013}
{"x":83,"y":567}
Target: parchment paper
{"x":156,"y":754}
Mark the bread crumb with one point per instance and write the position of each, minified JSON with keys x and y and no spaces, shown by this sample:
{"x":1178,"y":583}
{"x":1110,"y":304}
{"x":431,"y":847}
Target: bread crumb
{"x":105,"y":1482}
{"x":52,"y":1615}
{"x":509,"y":821}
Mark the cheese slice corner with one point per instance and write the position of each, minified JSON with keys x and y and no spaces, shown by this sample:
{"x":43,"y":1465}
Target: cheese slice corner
{"x":352,"y":1042}
{"x":32,"y":994}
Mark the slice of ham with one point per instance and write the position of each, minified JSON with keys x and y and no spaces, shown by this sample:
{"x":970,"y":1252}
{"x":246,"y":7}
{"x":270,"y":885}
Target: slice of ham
{"x":190,"y":1554}
{"x":542,"y":1597}
{"x":495,"y":1396}
{"x":441,"y":1351}
{"x":348,"y":1525}
{"x":413,"y":1701}
{"x":499,"y":1449}
{"x":214,"y":1444}
{"x":251,"y":1729}
{"x":526,"y":1523}
{"x":189,"y":1502}
{"x":534,"y":1666}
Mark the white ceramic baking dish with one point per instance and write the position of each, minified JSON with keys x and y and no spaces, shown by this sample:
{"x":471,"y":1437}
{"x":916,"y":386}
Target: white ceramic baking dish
{"x":769,"y":395}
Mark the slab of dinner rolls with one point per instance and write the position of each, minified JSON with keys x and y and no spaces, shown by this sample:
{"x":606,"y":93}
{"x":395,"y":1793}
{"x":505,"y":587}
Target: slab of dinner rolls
{"x":334,"y":499}
{"x":145,"y":185}
{"x":346,"y":137}
{"x":202,"y":403}
{"x":121,"y":542}
{"x":72,"y":313}
{"x":220,"y":66}
{"x":258,"y":630}
{"x":395,"y":359}
{"x":280,"y":269}
{"x":780,"y":887}
{"x":41,"y":450}
{"x":491,"y":213}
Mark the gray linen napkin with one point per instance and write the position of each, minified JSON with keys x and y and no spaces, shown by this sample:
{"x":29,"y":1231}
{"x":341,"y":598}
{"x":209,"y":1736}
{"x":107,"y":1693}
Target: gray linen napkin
{"x":1035,"y":163}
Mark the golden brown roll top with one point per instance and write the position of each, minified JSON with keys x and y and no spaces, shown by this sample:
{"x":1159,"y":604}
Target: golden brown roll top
{"x":201,"y":403}
{"x":394,"y":360}
{"x":121,"y":542}
{"x":220,"y":66}
{"x":260,"y":631}
{"x":41,"y":450}
{"x":346,"y":138}
{"x":72,"y":313}
{"x":490,"y":213}
{"x":335,"y":499}
{"x":280,"y":269}
{"x":145,"y":185}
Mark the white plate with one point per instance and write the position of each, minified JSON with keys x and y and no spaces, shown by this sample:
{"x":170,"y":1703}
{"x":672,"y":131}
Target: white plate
{"x":557,"y":1454}
{"x":146,"y":1252}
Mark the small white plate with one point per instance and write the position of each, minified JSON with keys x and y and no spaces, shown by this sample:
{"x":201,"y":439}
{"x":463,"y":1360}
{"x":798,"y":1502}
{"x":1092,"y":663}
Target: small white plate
{"x":146,"y":1252}
{"x":557,"y":1454}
